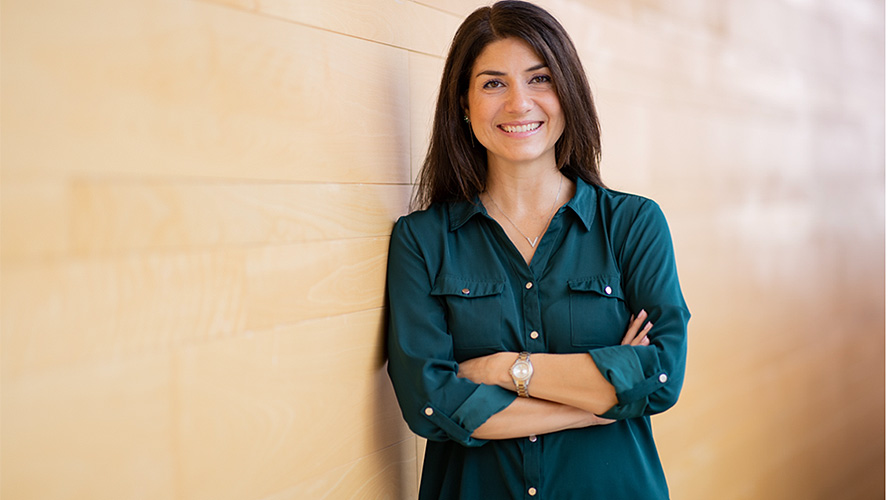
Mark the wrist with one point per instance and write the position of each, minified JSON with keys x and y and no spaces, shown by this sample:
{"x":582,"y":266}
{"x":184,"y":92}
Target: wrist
{"x":504,"y":371}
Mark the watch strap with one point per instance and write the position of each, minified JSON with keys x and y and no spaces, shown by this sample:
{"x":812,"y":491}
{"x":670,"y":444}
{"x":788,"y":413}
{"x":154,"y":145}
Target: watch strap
{"x":521,"y":385}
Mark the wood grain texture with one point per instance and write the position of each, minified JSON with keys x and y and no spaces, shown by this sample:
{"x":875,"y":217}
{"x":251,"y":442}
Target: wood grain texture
{"x":299,"y":407}
{"x":68,"y":312}
{"x":290,"y":283}
{"x":405,"y":24}
{"x":460,"y":8}
{"x":34,"y":219}
{"x":380,"y":475}
{"x":165,"y":215}
{"x":193,"y":89}
{"x":102,"y":431}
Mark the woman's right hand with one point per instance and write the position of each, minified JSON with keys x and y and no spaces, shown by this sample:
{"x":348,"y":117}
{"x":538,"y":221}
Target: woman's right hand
{"x":597,"y":420}
{"x":637,"y":332}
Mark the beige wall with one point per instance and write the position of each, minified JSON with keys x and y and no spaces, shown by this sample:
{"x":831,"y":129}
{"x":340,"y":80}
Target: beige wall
{"x":197,"y":196}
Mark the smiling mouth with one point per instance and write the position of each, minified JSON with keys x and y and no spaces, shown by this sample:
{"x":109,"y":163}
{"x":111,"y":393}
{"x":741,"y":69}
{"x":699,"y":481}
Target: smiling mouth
{"x":521,"y":128}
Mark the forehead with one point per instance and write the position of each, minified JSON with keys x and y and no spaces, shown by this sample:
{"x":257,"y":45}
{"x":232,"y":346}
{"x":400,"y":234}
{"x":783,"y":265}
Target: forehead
{"x":506,"y":52}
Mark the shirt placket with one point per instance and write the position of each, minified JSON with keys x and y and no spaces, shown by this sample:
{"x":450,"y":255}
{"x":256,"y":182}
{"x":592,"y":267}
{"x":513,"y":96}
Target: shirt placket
{"x":533,"y":342}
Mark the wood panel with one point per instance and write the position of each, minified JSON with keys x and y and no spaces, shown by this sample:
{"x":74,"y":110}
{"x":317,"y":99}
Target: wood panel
{"x":192,"y":89}
{"x":95,"y":309}
{"x":164,"y":215}
{"x":404,"y":24}
{"x":461,"y":8}
{"x":102,"y":432}
{"x":380,"y":475}
{"x":61,"y":313}
{"x":34,"y":218}
{"x":290,"y":283}
{"x":296,"y":405}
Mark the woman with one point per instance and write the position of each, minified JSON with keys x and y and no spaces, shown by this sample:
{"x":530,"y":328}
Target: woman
{"x":513,"y":343}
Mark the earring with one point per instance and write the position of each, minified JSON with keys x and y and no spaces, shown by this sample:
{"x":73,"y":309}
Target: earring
{"x":471,"y":135}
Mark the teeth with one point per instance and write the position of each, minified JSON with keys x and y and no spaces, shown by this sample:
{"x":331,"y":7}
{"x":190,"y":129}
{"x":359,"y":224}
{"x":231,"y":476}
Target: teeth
{"x":522,"y":128}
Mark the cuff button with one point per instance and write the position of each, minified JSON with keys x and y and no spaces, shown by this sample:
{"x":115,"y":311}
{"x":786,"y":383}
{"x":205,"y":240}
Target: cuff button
{"x":663,"y":378}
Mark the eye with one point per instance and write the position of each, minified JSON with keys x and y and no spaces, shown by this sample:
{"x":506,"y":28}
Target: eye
{"x":542,"y":79}
{"x":492,"y":84}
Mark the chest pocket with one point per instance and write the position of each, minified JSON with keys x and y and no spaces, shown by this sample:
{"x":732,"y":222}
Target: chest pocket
{"x":598,"y":312}
{"x":474,"y":310}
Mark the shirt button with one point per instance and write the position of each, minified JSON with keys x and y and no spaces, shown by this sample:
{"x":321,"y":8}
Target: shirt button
{"x":533,"y":439}
{"x":428,"y":412}
{"x":663,"y":378}
{"x":532,"y":491}
{"x":465,"y":291}
{"x":528,"y":285}
{"x":534,"y":335}
{"x":608,"y":290}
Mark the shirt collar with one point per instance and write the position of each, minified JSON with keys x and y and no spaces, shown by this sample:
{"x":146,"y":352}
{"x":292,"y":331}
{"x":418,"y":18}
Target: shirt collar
{"x":459,"y":212}
{"x":583,"y":204}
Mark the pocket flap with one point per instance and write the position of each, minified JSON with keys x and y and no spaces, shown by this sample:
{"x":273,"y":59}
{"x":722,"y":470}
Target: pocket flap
{"x":465,"y":287}
{"x":606,"y":286}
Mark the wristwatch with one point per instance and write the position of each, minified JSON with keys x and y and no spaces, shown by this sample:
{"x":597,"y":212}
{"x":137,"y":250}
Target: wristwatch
{"x":521,"y":372}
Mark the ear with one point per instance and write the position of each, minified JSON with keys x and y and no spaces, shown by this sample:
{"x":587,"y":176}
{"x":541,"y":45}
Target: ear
{"x":464,"y":106}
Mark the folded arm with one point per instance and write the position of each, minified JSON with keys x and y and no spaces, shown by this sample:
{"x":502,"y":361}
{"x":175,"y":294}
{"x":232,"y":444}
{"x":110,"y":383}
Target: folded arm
{"x":571,"y":380}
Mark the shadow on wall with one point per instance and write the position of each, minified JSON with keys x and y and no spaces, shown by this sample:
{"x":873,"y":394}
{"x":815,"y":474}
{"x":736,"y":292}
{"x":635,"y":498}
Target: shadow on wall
{"x":397,"y":470}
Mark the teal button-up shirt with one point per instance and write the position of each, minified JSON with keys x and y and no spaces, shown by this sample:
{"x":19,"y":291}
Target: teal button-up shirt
{"x":459,"y":289}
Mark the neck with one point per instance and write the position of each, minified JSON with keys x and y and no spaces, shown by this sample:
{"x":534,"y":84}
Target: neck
{"x":526,"y":189}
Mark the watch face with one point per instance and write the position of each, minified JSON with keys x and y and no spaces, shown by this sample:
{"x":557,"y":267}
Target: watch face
{"x":521,"y":370}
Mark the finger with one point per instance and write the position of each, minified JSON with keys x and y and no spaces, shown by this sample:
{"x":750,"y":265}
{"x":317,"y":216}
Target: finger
{"x":635,"y":324}
{"x":633,"y":331}
{"x":644,"y":332}
{"x":644,"y":341}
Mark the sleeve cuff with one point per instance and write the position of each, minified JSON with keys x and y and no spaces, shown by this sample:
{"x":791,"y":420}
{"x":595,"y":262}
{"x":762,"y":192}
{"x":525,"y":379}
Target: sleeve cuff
{"x":485,"y":401}
{"x":634,"y":372}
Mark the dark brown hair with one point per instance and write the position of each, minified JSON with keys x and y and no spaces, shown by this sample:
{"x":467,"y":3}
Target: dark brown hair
{"x":456,"y":167}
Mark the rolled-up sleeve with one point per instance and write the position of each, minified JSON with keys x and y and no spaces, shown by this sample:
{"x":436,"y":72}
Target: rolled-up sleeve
{"x":436,"y":404}
{"x":648,"y":379}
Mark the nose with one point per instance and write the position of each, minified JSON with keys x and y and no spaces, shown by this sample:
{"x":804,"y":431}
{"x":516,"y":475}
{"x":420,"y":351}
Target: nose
{"x":518,"y":100}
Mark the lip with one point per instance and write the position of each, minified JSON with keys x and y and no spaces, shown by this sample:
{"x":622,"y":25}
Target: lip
{"x":521,"y":128}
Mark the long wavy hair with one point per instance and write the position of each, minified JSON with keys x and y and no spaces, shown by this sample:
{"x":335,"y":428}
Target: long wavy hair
{"x":456,"y":166}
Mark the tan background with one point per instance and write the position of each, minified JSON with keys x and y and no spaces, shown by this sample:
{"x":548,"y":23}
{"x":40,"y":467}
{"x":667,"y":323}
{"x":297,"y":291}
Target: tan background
{"x":197,"y":197}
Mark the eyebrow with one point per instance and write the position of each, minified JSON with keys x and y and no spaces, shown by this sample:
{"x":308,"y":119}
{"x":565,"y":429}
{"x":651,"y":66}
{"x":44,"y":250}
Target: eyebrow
{"x":500,"y":73}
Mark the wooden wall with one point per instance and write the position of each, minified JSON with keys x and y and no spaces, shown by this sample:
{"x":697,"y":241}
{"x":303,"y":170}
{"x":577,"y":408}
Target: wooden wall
{"x":197,"y":197}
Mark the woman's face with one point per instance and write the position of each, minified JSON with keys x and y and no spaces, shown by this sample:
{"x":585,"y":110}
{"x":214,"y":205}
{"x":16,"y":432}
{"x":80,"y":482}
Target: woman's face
{"x":512,"y":104}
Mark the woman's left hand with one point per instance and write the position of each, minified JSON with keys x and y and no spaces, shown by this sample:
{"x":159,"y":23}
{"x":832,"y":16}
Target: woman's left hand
{"x":637,"y":332}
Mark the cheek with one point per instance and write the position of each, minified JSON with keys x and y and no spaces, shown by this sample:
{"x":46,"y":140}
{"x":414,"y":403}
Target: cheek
{"x":561,"y":129}
{"x":559,"y":119}
{"x":479,"y":110}
{"x":554,"y":110}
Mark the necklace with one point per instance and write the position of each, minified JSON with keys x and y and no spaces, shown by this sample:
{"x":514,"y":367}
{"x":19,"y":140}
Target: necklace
{"x":552,"y":212}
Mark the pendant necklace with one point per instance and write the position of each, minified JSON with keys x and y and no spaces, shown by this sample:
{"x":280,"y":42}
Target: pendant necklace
{"x":552,"y":212}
